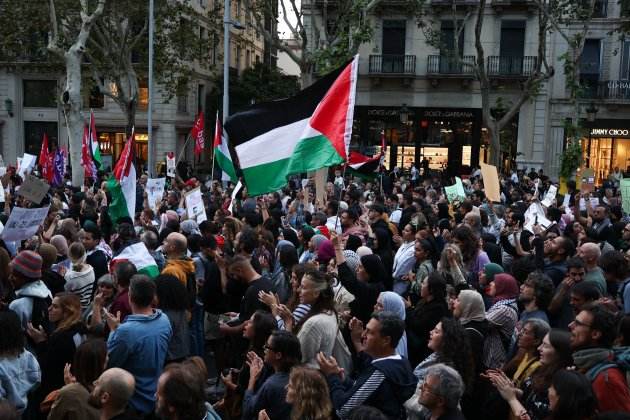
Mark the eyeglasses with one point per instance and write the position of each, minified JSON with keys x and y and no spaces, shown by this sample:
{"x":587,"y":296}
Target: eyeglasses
{"x":580,"y":323}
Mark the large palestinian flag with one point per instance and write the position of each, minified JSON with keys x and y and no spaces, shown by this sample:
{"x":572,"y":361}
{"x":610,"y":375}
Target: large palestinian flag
{"x":300,"y":134}
{"x":122,"y":185}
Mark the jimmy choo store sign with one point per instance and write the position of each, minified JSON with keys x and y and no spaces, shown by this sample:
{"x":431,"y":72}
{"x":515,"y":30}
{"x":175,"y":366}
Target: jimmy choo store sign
{"x":610,"y":132}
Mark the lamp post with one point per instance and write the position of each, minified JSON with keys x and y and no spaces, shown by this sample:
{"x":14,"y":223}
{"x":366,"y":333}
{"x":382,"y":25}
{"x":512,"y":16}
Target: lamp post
{"x":151,"y":145}
{"x":227,"y":22}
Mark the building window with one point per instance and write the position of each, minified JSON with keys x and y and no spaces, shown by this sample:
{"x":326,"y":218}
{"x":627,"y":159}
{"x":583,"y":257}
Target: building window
{"x":624,"y":72}
{"x":601,"y":9}
{"x":40,"y":93}
{"x":143,"y":95}
{"x":34,"y":133}
{"x":590,"y":65}
{"x":257,"y":59}
{"x":182,"y":103}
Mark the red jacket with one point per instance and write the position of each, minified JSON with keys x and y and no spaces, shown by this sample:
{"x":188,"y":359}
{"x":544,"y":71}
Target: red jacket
{"x":611,"y":390}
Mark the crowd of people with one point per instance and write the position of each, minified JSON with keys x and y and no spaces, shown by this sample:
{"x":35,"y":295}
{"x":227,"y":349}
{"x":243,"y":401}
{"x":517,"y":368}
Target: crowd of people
{"x":378,"y":300}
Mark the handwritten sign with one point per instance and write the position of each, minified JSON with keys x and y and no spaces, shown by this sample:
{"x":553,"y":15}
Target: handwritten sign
{"x":34,"y":189}
{"x":23,"y":223}
{"x":194,"y":206}
{"x":587,"y":180}
{"x":25,"y":164}
{"x":155,"y":191}
{"x":535,"y":215}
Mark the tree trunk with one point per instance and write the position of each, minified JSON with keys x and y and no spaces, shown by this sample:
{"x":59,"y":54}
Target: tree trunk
{"x":495,"y":145}
{"x":73,"y":106}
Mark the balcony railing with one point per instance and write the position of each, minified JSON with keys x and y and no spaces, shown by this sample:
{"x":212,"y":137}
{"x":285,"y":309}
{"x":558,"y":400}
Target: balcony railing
{"x":451,"y":66}
{"x":616,"y":90}
{"x":392,"y":64}
{"x":507,"y":66}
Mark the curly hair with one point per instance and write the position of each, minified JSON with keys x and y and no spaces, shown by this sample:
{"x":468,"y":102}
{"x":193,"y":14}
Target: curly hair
{"x":455,"y":350}
{"x":469,"y":243}
{"x":312,"y":398}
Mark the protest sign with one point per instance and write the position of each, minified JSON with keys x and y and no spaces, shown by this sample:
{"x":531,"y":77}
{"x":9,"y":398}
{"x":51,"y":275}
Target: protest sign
{"x":535,"y":215}
{"x":1,"y":193}
{"x":233,"y":197}
{"x":565,"y":202}
{"x":491,"y":182}
{"x":3,"y":170}
{"x":23,"y":223}
{"x":155,"y":191}
{"x":25,"y":164}
{"x":170,"y":165}
{"x":624,"y":186}
{"x":550,"y":196}
{"x":321,"y":176}
{"x":34,"y":189}
{"x":587,"y":180}
{"x":194,"y":206}
{"x":455,"y":192}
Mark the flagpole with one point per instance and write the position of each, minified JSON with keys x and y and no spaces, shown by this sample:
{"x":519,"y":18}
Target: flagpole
{"x":183,"y":149}
{"x":343,"y":177}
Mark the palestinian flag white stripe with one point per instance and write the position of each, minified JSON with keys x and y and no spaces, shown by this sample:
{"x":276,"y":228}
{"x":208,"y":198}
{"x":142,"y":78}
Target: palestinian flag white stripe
{"x":138,"y":255}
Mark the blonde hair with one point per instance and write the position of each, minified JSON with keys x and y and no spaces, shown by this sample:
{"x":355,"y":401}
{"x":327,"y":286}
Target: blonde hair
{"x":77,"y":255}
{"x":71,"y":307}
{"x":312,"y":397}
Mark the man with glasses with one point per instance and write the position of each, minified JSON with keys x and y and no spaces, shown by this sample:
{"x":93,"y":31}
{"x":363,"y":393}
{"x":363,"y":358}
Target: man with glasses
{"x":592,"y":335}
{"x":441,"y":392}
{"x":385,"y":379}
{"x":282,"y":352}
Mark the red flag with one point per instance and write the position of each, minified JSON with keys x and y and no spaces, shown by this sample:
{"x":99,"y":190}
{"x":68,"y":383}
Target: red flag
{"x":197,"y":134}
{"x":46,"y":160}
{"x":218,"y":132}
{"x":86,"y":155}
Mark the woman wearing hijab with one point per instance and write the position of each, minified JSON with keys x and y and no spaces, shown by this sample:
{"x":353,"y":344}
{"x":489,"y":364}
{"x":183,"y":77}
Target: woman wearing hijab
{"x":502,"y":317}
{"x":392,"y":302}
{"x":365,"y":284}
{"x":325,"y":252}
{"x":311,"y":250}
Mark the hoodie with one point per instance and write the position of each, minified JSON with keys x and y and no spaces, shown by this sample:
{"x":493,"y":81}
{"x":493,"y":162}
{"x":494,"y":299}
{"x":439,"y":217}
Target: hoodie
{"x":179,"y":268}
{"x":384,"y":383}
{"x":23,"y":304}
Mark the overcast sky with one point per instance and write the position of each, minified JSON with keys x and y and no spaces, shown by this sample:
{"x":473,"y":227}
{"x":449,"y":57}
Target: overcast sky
{"x":283,"y":29}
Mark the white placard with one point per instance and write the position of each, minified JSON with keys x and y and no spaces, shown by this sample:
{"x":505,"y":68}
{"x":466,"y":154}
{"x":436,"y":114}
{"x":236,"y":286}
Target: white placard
{"x":155,"y":191}
{"x":536,"y":214}
{"x":195,"y":207}
{"x":170,"y":166}
{"x":23,"y":223}
{"x":236,"y":190}
{"x":26,"y":163}
{"x":3,"y":170}
{"x":550,"y":196}
{"x":1,"y":193}
{"x":565,"y":202}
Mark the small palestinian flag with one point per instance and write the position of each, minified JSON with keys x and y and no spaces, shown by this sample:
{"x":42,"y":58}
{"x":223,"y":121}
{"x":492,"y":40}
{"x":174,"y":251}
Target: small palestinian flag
{"x":296,"y":135}
{"x":364,"y":166}
{"x":222,"y":153}
{"x":122,"y":185}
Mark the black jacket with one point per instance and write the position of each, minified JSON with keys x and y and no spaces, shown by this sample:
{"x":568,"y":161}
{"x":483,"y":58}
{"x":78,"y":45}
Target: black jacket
{"x":365,"y":294}
{"x":420,"y":321}
{"x":384,"y":383}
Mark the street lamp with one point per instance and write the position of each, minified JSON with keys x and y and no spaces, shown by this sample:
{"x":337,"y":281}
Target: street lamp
{"x":151,"y":146}
{"x":227,"y":22}
{"x":591,"y":112}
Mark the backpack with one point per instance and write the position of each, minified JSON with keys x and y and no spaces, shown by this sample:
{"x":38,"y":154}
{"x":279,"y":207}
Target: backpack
{"x":620,"y":360}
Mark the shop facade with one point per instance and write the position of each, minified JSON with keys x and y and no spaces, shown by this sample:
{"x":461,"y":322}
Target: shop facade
{"x":606,"y":147}
{"x":450,"y":139}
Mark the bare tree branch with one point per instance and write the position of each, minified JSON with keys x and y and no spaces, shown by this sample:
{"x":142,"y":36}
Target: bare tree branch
{"x":53,"y":41}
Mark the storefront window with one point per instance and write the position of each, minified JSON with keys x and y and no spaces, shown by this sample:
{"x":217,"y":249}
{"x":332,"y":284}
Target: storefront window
{"x":604,"y":154}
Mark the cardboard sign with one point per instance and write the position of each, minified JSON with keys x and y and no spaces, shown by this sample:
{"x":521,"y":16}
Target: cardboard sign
{"x":34,"y":189}
{"x":491,"y":182}
{"x":321,"y":175}
{"x":23,"y":223}
{"x":624,"y":186}
{"x":194,"y":206}
{"x":550,"y":196}
{"x":155,"y":191}
{"x":587,"y":180}
{"x":170,"y":165}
